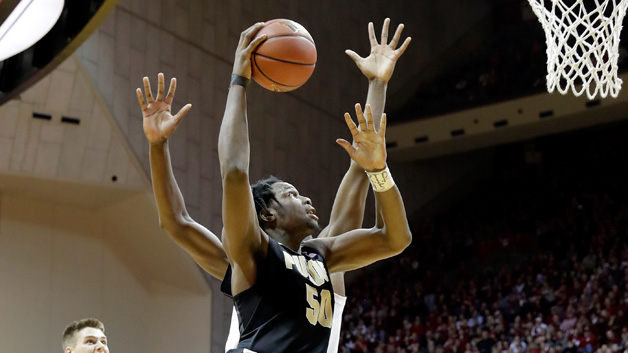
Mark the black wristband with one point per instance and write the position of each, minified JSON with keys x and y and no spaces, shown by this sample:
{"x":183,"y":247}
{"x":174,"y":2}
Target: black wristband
{"x":239,"y":80}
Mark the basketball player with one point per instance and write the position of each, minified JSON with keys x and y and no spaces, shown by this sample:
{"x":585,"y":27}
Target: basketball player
{"x":280,"y":284}
{"x":87,"y":335}
{"x":203,"y":245}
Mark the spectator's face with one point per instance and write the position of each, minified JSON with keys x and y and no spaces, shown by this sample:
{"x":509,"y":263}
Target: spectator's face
{"x":89,"y":340}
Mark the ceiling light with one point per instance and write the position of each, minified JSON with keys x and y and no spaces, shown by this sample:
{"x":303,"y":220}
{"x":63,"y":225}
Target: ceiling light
{"x":27,"y":24}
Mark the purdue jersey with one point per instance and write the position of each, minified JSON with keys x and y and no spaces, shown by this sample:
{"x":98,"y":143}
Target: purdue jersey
{"x":334,"y":339}
{"x":289,"y":309}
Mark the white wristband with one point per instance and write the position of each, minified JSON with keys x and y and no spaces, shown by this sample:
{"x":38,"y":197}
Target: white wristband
{"x":381,"y":181}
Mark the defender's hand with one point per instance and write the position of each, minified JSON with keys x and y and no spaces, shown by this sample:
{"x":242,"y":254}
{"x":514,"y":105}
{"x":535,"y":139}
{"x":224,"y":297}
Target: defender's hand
{"x":369,"y":146}
{"x":242,"y":61}
{"x":159,"y":124}
{"x":380,"y":64}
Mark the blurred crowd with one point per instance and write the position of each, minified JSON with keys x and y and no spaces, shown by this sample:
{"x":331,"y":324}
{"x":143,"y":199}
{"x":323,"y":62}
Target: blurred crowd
{"x":534,"y":260}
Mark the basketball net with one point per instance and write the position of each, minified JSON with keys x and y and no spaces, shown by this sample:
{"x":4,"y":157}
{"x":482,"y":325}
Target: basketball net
{"x":582,"y":44}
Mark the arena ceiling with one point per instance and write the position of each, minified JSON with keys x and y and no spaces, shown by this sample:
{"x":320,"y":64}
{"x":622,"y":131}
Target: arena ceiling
{"x":464,"y":55}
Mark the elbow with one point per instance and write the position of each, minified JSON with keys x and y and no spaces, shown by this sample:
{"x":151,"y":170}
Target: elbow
{"x":407,"y":238}
{"x":401,"y":241}
{"x":235,"y":173}
{"x":173,"y":225}
{"x":234,"y":162}
{"x":165,"y":223}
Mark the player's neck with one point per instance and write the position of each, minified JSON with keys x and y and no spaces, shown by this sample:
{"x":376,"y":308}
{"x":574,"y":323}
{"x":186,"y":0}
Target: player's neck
{"x":292,"y":241}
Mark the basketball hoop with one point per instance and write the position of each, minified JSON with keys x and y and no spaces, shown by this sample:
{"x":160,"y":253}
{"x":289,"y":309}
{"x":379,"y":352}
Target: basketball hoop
{"x":582,"y":44}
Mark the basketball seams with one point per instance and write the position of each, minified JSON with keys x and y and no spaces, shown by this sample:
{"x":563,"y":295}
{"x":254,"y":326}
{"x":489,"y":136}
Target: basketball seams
{"x":303,"y":52}
{"x":268,"y":78}
{"x":290,"y":35}
{"x":283,"y":61}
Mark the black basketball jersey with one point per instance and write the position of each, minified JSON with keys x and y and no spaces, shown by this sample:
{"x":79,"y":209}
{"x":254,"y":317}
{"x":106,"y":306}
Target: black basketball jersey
{"x":289,"y":309}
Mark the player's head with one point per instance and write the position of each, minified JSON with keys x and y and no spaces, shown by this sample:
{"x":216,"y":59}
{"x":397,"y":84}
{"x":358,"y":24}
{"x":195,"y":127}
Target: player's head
{"x":87,"y":335}
{"x":279,"y":205}
{"x":262,"y":195}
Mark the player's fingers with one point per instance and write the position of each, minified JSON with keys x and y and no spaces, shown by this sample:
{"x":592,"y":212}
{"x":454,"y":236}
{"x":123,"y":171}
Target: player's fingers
{"x":369,"y":116}
{"x":247,"y":34}
{"x":182,"y":112}
{"x":403,"y":46}
{"x":354,"y":56}
{"x":360,"y":115}
{"x":384,"y":40}
{"x":140,"y":99}
{"x":395,"y":40}
{"x":171,"y":90}
{"x":352,"y":127}
{"x":346,"y":145}
{"x":382,"y":126}
{"x":149,"y":95}
{"x":372,"y":39}
{"x":160,"y":86}
{"x":255,"y":43}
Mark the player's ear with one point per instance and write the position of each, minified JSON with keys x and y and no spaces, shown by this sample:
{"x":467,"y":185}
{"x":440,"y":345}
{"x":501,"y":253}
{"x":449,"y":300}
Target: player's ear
{"x":268,"y":215}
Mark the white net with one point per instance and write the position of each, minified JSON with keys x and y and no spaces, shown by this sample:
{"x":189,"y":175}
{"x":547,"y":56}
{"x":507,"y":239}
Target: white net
{"x":582,"y":44}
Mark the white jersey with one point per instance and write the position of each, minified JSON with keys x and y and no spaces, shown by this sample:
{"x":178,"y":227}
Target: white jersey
{"x":334,"y":338}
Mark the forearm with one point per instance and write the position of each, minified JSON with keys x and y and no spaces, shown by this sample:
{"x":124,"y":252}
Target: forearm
{"x":394,"y":225}
{"x":170,"y":203}
{"x":376,"y":97}
{"x":233,"y":140}
{"x":347,"y":212}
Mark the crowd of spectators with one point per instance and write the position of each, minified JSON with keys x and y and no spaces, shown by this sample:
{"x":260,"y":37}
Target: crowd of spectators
{"x":535,"y":260}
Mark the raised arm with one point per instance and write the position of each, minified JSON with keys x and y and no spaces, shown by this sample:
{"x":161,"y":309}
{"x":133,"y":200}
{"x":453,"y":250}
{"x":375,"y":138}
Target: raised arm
{"x":348,"y":208}
{"x":378,"y":67}
{"x":159,"y":124}
{"x":243,"y":240}
{"x":361,"y":247}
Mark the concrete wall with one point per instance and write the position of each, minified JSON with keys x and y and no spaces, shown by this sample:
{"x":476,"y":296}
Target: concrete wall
{"x":79,"y":234}
{"x":59,"y":263}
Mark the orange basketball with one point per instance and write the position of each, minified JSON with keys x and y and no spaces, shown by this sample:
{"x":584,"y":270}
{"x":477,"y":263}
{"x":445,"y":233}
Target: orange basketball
{"x":286,"y":59}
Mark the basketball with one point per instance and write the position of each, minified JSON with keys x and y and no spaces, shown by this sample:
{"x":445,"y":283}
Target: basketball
{"x":286,"y":59}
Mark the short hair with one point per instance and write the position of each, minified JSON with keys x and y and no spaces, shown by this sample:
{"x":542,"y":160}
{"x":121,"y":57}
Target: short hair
{"x":76,"y":326}
{"x":262,"y":194}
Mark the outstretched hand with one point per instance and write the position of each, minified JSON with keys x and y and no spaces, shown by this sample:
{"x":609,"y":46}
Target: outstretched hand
{"x":380,"y":63}
{"x":369,"y":146}
{"x":159,"y":124}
